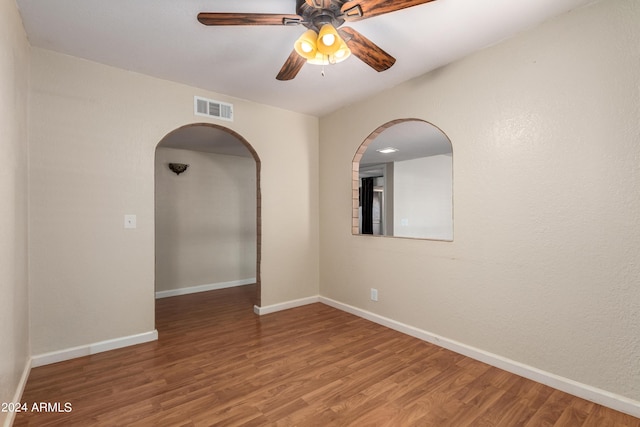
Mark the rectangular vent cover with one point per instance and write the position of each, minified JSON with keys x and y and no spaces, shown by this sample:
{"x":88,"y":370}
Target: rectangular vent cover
{"x":212,"y":108}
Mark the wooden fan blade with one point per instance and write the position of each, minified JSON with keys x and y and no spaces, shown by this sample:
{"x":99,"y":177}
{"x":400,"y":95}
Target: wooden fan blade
{"x":319,"y":4}
{"x":291,"y":66}
{"x":361,"y":9}
{"x":210,"y":18}
{"x":366,"y":50}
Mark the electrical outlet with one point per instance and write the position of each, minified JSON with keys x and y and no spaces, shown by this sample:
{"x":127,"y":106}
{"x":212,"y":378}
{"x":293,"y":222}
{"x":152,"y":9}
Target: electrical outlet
{"x":130,"y":221}
{"x":374,"y":294}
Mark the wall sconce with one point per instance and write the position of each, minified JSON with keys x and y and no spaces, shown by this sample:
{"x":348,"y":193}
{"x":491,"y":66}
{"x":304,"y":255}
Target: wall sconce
{"x":178,"y":168}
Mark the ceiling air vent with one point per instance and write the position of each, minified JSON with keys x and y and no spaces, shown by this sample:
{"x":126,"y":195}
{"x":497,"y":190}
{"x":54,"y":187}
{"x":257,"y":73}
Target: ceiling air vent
{"x":212,"y":108}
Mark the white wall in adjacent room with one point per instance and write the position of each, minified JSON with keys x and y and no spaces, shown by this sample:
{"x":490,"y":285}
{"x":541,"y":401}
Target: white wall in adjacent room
{"x":205,"y":219}
{"x":422,"y":198}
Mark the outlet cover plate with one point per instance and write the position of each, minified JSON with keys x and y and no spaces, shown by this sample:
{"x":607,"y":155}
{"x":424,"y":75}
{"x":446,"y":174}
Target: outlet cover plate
{"x":130,"y":221}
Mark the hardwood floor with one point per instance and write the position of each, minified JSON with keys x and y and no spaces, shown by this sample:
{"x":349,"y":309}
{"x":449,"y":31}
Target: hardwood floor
{"x":217,"y":363}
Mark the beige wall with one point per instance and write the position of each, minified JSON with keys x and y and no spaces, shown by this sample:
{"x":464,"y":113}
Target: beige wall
{"x":205,"y":219}
{"x":93,"y":134}
{"x":544,"y":265}
{"x":422,"y":197}
{"x":14,"y":73}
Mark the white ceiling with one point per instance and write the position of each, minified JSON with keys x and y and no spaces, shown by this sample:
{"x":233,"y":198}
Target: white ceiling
{"x":205,"y":139}
{"x":162,"y":38}
{"x":413,"y":139}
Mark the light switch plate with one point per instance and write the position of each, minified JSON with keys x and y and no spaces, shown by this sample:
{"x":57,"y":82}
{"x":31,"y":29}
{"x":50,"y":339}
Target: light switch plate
{"x":130,"y":221}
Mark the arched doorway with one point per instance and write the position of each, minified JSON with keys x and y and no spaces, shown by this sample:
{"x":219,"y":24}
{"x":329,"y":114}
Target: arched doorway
{"x":208,"y":229}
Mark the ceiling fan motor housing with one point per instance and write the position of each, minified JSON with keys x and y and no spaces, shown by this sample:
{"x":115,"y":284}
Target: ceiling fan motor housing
{"x":315,"y":17}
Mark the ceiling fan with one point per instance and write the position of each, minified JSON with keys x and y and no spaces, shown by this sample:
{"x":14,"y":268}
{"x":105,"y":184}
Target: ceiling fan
{"x":324,"y":42}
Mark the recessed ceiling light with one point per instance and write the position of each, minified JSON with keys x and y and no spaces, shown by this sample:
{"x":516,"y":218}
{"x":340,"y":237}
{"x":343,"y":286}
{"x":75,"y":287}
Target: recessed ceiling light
{"x":387,"y":150}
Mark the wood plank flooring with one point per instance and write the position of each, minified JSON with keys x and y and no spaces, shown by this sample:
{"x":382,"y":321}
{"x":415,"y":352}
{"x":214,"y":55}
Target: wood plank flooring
{"x":217,"y":363}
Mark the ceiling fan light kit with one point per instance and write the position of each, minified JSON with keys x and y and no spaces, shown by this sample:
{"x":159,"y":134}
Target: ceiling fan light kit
{"x":324,"y":42}
{"x":323,"y":48}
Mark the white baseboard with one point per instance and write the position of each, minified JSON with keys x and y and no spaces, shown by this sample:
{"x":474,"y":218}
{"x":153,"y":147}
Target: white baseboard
{"x":584,"y":391}
{"x":86,"y":350}
{"x":17,"y":397}
{"x":285,"y":305}
{"x":204,"y":288}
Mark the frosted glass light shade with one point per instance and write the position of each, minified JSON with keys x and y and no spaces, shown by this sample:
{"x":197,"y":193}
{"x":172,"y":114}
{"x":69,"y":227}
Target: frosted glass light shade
{"x":305,"y":46}
{"x":328,"y":40}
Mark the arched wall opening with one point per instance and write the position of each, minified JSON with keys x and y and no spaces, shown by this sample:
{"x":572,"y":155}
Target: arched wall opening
{"x":402,"y":182}
{"x":208,"y":218}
